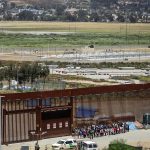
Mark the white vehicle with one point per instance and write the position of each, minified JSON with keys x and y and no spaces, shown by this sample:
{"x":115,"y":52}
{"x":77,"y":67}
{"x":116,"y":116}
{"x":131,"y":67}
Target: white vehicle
{"x":89,"y":145}
{"x":64,"y":144}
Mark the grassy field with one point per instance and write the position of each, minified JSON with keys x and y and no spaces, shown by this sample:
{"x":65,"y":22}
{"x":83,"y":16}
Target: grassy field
{"x":78,"y":27}
{"x":76,"y":34}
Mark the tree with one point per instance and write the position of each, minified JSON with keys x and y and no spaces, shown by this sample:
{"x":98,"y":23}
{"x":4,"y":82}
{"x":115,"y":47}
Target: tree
{"x":110,"y":17}
{"x":34,"y":72}
{"x":133,"y":18}
{"x":82,"y":15}
{"x":70,"y":17}
{"x":26,"y":15}
{"x":60,"y":10}
{"x":121,"y":18}
{"x":44,"y":73}
{"x":10,"y":73}
{"x":12,"y":5}
{"x":120,"y":145}
{"x":3,"y":7}
{"x":8,"y":16}
{"x":94,"y":17}
{"x":2,"y":70}
{"x":23,"y":73}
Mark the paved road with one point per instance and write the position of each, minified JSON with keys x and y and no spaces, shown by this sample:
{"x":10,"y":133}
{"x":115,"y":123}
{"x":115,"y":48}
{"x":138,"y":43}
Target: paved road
{"x":138,"y":137}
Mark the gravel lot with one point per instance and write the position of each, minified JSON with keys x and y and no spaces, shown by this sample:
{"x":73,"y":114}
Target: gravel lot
{"x":135,"y":138}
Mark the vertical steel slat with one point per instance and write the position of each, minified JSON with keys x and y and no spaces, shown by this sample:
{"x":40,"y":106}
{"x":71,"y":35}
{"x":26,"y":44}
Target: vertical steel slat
{"x":40,"y":104}
{"x":82,"y":105}
{"x":20,"y":122}
{"x":3,"y":125}
{"x":3,"y":108}
{"x":32,"y":117}
{"x":16,"y":124}
{"x":122,"y":102}
{"x":2,"y":140}
{"x":73,"y":111}
{"x":24,"y":124}
{"x":29,"y":124}
{"x":8,"y":124}
{"x":110,"y":103}
{"x":12,"y":121}
{"x":90,"y":101}
{"x":99,"y":107}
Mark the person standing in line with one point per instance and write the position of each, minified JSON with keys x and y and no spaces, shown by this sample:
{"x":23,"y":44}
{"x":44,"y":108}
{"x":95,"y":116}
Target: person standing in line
{"x":37,"y":147}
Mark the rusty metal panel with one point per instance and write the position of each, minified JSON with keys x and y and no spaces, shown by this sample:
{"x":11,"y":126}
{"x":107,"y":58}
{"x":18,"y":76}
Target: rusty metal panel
{"x":16,"y":122}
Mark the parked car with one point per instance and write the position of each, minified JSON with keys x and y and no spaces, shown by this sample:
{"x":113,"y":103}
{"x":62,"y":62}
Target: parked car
{"x":64,"y":144}
{"x":88,"y":145}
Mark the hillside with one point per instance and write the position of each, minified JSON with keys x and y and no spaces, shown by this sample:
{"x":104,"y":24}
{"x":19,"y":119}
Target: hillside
{"x":76,"y":10}
{"x":35,"y":2}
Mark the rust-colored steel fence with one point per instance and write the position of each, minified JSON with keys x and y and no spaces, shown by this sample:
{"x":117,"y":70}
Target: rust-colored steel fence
{"x":43,"y":114}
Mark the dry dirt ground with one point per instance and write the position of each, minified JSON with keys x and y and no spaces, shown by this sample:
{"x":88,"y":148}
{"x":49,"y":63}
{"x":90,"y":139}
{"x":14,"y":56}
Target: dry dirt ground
{"x":31,"y":56}
{"x":136,"y":138}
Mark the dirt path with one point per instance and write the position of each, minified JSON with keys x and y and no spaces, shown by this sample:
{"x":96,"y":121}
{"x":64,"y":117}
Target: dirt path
{"x":136,"y":138}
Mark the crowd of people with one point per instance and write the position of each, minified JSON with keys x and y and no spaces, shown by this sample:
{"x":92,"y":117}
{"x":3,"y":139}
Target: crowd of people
{"x":102,"y":129}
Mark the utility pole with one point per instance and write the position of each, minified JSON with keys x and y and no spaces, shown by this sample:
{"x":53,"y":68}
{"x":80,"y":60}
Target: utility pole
{"x":17,"y":78}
